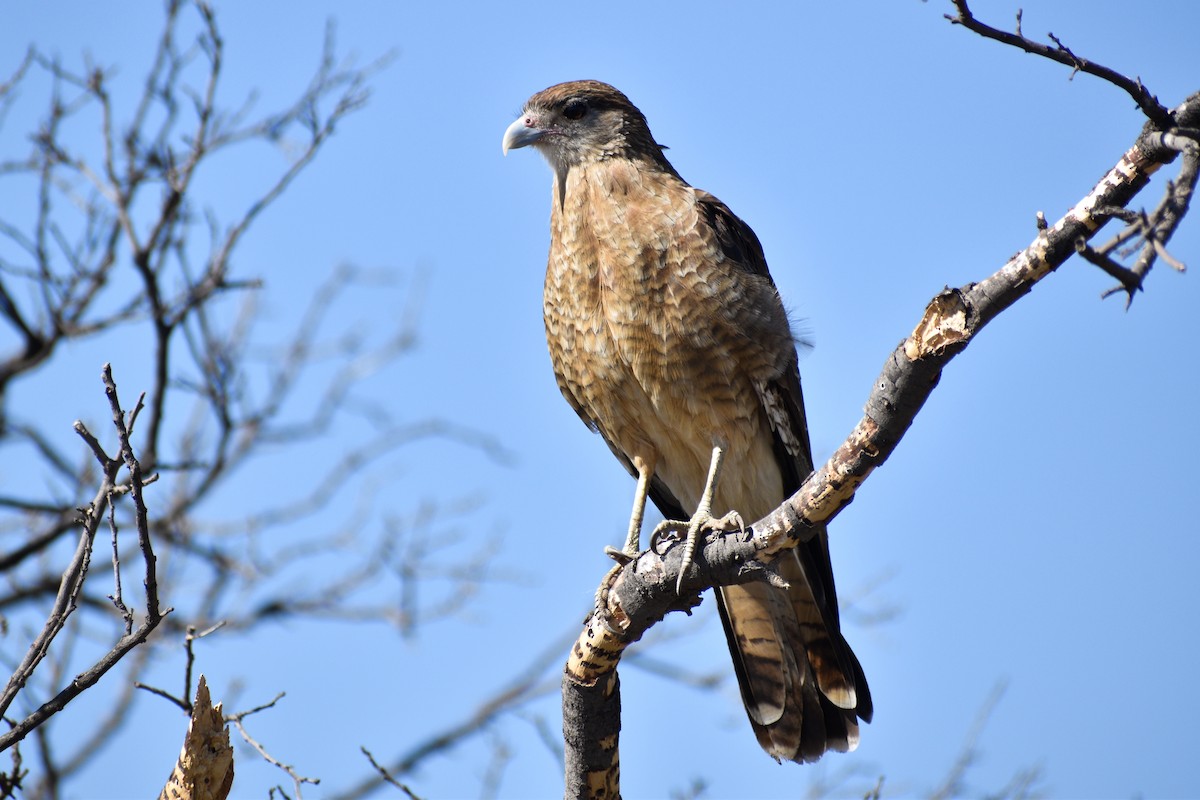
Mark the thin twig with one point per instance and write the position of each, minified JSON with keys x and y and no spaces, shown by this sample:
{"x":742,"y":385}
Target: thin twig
{"x":118,"y":601}
{"x":298,"y":780}
{"x":1149,"y":104}
{"x":387,"y":776}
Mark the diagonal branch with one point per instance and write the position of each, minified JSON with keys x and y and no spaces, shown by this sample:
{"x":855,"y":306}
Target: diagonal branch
{"x":643,"y":592}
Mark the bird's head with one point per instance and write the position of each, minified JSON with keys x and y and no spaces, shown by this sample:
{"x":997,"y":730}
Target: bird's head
{"x":581,"y":121}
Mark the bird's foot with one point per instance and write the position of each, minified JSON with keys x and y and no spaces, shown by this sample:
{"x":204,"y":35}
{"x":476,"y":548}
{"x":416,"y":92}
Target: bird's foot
{"x":689,"y":531}
{"x":675,"y":529}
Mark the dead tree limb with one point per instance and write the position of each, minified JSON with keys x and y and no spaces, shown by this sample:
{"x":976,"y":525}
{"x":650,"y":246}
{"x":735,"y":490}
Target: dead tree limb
{"x":204,"y":770}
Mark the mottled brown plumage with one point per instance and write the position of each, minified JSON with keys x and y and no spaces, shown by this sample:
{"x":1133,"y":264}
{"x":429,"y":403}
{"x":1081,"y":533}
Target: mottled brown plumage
{"x":667,"y":336}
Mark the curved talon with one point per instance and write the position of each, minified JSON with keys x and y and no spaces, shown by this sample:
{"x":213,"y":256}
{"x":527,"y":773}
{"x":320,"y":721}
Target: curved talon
{"x":620,"y":556}
{"x":667,"y":526}
{"x":602,"y":591}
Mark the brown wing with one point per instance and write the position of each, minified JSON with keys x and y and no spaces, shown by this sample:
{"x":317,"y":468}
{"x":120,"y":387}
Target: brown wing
{"x":803,"y":687}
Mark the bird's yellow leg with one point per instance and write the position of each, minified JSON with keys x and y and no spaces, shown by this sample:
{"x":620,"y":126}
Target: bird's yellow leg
{"x":702,"y":520}
{"x":633,"y":538}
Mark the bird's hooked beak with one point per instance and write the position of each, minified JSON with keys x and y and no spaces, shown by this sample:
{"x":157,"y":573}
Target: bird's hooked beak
{"x":523,"y":132}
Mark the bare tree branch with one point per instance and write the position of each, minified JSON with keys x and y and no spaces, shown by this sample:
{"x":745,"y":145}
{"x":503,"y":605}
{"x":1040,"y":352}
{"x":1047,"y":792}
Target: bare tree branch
{"x":528,"y":684}
{"x":119,"y":200}
{"x":387,"y":776}
{"x":73,"y":578}
{"x":1063,"y":55}
{"x":298,"y":780}
{"x":1166,"y":131}
{"x":636,"y":596}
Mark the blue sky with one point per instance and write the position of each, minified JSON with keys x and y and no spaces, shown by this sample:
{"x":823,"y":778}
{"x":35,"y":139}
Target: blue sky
{"x":1036,"y":526}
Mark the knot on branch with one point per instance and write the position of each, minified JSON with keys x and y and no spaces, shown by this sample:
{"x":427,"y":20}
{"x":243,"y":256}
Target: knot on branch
{"x":945,"y":324}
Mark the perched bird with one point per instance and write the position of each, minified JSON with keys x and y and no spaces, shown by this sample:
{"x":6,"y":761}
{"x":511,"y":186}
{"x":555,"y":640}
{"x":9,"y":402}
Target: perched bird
{"x":668,"y":336}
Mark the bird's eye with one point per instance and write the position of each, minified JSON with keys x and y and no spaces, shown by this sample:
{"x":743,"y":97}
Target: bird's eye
{"x":575,"y":109}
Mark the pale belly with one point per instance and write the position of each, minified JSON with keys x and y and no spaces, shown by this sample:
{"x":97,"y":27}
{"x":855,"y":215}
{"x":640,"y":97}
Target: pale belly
{"x":750,"y":482}
{"x":647,"y":343}
{"x":670,"y":405}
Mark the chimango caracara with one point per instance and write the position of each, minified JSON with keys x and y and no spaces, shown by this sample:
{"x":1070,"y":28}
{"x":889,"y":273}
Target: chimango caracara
{"x":668,"y":337}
